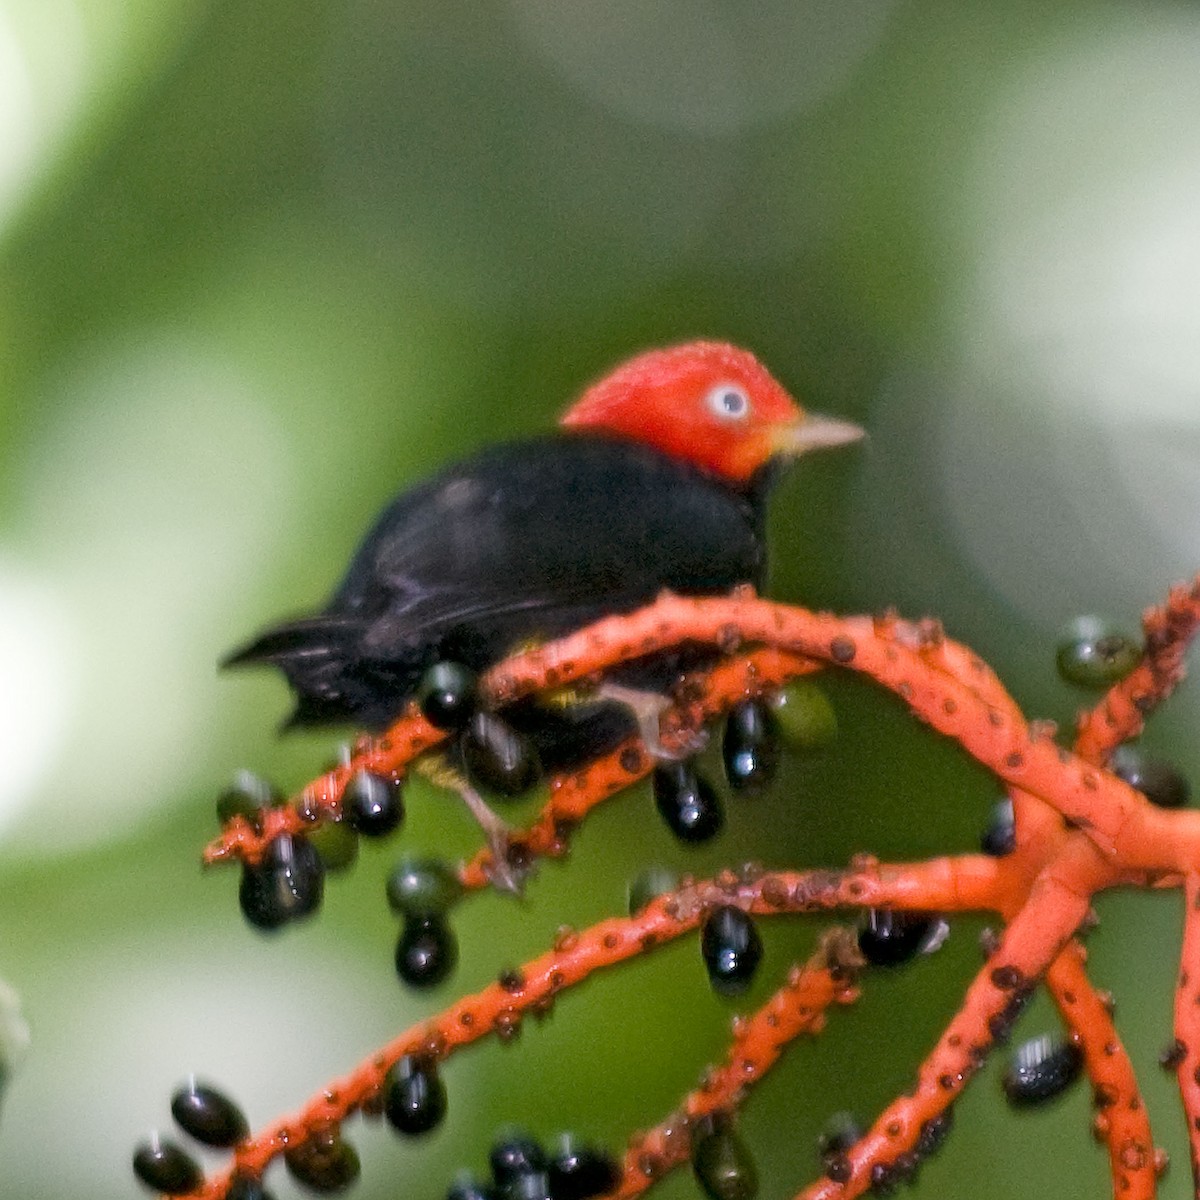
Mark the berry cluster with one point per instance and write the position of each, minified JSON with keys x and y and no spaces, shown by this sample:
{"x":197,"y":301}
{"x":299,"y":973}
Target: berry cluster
{"x":754,"y":734}
{"x":522,"y":1169}
{"x":212,"y":1119}
{"x":1046,"y":829}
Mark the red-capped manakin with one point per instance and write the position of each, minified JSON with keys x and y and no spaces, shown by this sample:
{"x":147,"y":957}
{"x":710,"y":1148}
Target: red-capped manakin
{"x":657,"y":479}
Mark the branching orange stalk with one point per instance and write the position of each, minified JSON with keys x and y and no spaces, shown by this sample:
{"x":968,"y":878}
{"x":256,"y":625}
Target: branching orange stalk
{"x":1079,"y":830}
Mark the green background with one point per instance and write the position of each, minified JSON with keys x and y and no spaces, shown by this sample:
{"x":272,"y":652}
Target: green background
{"x":262,"y":263}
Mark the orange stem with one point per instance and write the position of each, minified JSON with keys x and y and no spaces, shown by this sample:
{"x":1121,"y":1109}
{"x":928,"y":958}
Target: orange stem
{"x":759,"y":1040}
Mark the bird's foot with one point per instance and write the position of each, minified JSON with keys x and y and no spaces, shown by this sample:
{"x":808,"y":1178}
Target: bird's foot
{"x":507,"y":873}
{"x":648,"y":709}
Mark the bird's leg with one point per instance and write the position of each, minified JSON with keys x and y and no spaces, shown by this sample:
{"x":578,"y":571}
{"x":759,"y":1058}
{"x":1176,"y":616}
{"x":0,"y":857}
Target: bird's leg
{"x":647,"y":709}
{"x":496,"y":830}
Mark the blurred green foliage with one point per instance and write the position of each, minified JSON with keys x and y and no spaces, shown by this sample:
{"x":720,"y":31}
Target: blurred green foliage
{"x":265,"y":262}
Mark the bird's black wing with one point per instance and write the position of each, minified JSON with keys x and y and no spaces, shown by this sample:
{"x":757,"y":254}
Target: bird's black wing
{"x":521,"y":542}
{"x":527,"y":536}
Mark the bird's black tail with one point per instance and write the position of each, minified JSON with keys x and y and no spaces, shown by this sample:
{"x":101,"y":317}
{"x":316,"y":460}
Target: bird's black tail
{"x":322,"y":660}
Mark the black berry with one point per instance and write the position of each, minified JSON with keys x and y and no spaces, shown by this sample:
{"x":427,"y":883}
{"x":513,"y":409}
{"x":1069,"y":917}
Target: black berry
{"x":1000,"y":836}
{"x":285,"y":886}
{"x":890,"y":937}
{"x":496,"y":757}
{"x":732,"y":949}
{"x":514,"y":1155}
{"x":414,"y":1096}
{"x":324,"y":1163}
{"x":687,"y":802}
{"x":1158,"y":781}
{"x":427,"y":951}
{"x":372,"y":804}
{"x":579,"y":1172}
{"x":447,"y":695}
{"x":162,"y":1165}
{"x":208,"y":1115}
{"x":750,"y":747}
{"x":1040,"y":1070}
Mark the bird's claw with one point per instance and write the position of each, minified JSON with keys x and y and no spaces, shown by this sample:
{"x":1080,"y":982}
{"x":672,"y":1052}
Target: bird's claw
{"x":682,"y":743}
{"x":505,"y":874}
{"x":648,"y":709}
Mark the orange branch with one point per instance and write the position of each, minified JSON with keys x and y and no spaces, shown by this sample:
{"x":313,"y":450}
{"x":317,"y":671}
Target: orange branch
{"x":796,"y":1008}
{"x":951,"y":884}
{"x":1187,"y":1021}
{"x":1121,"y":714}
{"x":1121,"y":1120}
{"x":1079,"y":831}
{"x":993,"y":1000}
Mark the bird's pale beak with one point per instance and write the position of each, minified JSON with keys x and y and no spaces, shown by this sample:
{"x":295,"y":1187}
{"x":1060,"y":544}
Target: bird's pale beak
{"x":814,"y":432}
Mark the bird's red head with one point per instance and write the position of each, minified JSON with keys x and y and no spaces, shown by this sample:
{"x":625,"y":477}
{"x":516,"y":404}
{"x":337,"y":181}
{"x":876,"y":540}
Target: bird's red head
{"x":709,"y":404}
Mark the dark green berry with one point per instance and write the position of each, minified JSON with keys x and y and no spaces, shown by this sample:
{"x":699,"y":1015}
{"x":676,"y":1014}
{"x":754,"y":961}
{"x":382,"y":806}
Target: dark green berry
{"x":286,"y":885}
{"x":427,"y":951}
{"x":496,"y":757}
{"x":579,"y":1171}
{"x":722,"y":1163}
{"x":1040,"y":1070}
{"x":889,"y":937}
{"x":372,"y":804}
{"x":1095,"y":655}
{"x":422,"y":886}
{"x":324,"y":1163}
{"x":1158,"y":781}
{"x":448,"y":695}
{"x":731,"y":948}
{"x":841,"y":1131}
{"x":247,"y":796}
{"x":750,"y":747}
{"x":165,"y":1167}
{"x":687,"y":802}
{"x":336,"y":842}
{"x":652,"y":882}
{"x":414,"y":1096}
{"x":803,"y":715}
{"x":208,"y":1115}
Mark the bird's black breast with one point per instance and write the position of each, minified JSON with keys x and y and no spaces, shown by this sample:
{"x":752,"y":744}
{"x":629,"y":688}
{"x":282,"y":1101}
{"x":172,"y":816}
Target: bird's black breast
{"x":520,"y":542}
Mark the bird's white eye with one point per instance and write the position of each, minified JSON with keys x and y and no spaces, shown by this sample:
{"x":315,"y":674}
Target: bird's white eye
{"x":728,"y":401}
